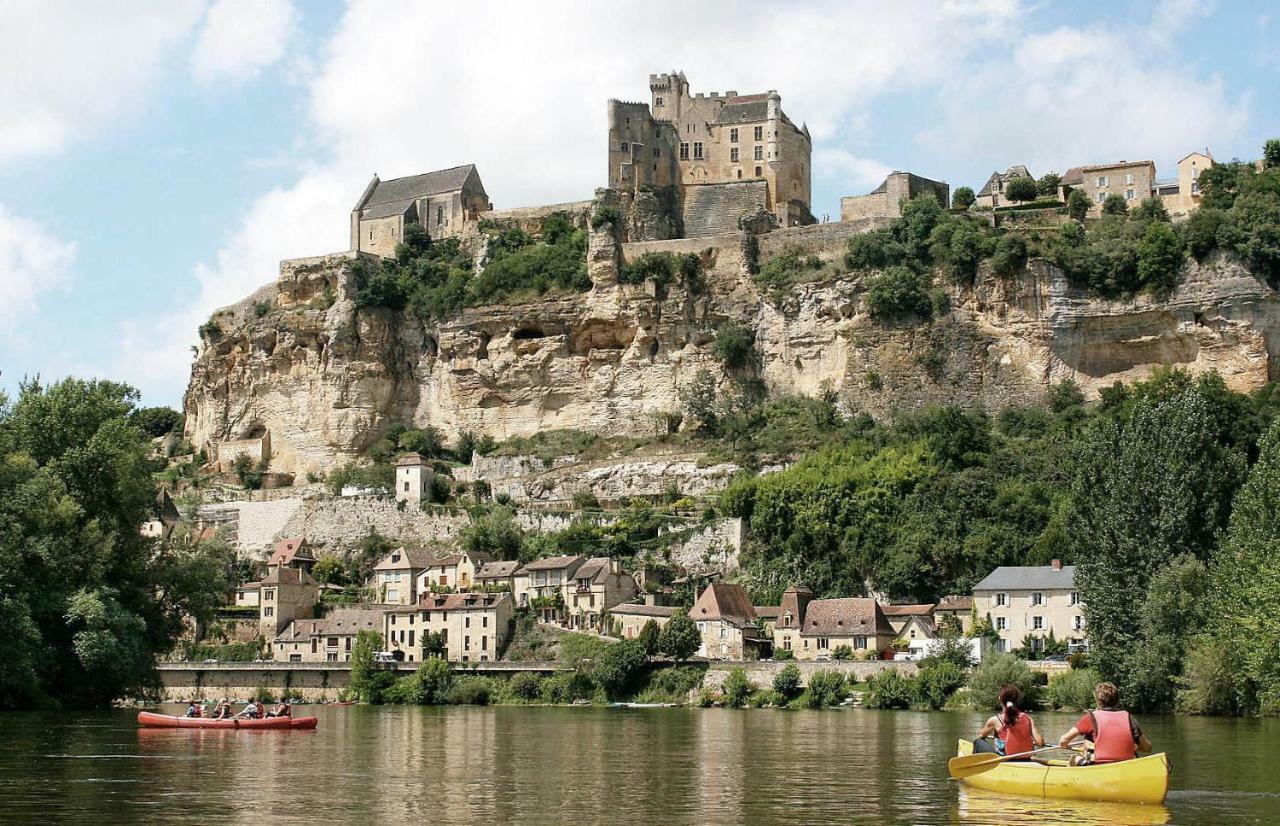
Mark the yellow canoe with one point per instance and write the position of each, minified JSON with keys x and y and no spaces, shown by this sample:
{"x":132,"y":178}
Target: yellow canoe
{"x":1144,"y":780}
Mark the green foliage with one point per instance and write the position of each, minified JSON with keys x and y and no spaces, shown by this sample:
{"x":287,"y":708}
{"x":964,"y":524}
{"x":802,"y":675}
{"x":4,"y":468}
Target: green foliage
{"x":889,"y":689}
{"x":789,"y":267}
{"x":1078,"y":204}
{"x":1021,"y":189}
{"x":664,"y":269}
{"x":330,"y":570}
{"x":471,"y":691}
{"x":1214,"y":682}
{"x":826,"y":688}
{"x":493,"y":530}
{"x":157,"y":421}
{"x":1010,"y":256}
{"x":987,"y":679}
{"x":525,"y":687}
{"x":937,"y":681}
{"x":786,"y":683}
{"x":679,"y":638}
{"x":669,"y":685}
{"x":963,"y":197}
{"x":1065,"y":395}
{"x":1160,"y":257}
{"x":734,"y":346}
{"x":380,"y":478}
{"x":842,"y":652}
{"x":736,"y":689}
{"x":617,"y":667}
{"x":1048,"y":184}
{"x":898,"y":293}
{"x":367,"y":681}
{"x":1073,"y":690}
{"x":648,"y":637}
{"x":604,"y":216}
{"x":1115,"y":205}
{"x":431,"y":684}
{"x":1271,"y":153}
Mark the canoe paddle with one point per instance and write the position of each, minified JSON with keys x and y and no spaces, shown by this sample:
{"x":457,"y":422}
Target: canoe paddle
{"x":968,"y":765}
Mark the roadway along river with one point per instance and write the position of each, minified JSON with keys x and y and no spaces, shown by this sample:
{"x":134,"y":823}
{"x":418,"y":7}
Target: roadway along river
{"x":585,"y":766}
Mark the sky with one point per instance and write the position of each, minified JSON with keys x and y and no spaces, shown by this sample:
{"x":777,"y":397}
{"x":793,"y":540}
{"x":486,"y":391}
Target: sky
{"x":158,"y":159}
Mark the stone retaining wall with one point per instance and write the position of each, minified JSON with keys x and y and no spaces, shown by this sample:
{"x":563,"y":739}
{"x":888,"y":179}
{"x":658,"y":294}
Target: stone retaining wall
{"x":762,"y":673}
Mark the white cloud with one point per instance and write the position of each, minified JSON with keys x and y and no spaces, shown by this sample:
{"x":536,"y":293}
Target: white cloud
{"x":240,"y":38}
{"x":69,"y":69}
{"x":33,"y":261}
{"x":1076,"y":96}
{"x":855,"y":174}
{"x":1172,"y":17}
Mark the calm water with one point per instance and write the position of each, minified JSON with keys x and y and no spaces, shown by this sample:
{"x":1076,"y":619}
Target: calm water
{"x":584,"y":766}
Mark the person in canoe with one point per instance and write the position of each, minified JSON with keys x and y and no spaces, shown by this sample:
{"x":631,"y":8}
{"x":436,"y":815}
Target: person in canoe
{"x":222,"y":710}
{"x":253,"y":710}
{"x":193,"y":709}
{"x":1113,"y":735}
{"x":282,"y":710}
{"x":1015,"y":731}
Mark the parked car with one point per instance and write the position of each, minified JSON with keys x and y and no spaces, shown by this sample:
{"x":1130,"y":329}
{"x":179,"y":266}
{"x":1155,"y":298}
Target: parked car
{"x":1056,"y":658}
{"x":904,"y":657}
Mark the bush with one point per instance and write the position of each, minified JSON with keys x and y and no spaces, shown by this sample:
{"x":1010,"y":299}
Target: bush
{"x":648,"y":637}
{"x":563,"y":689}
{"x":873,"y":250}
{"x":1010,"y":257}
{"x":889,"y":689}
{"x":936,"y":682}
{"x":736,"y":689}
{"x":826,"y":688}
{"x":1115,"y":205}
{"x":525,"y":687}
{"x":1073,"y":690}
{"x":471,"y":691}
{"x":787,"y":682}
{"x":734,"y":345}
{"x":786,"y":269}
{"x":618,"y":665}
{"x":898,"y":293}
{"x":963,"y":198}
{"x":1021,"y":189}
{"x":1160,"y":257}
{"x":842,"y":652}
{"x":1048,"y":184}
{"x":605,"y":216}
{"x":987,"y":679}
{"x":1078,"y":204}
{"x":679,"y":638}
{"x":670,"y":685}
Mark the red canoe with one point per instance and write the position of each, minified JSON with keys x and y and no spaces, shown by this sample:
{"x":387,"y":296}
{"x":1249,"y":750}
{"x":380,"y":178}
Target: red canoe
{"x":149,"y":720}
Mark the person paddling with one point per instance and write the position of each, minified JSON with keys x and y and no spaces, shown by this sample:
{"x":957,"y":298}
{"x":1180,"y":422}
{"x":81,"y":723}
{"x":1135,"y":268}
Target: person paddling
{"x":1014,"y":729}
{"x":192,"y":710}
{"x":1113,"y":734}
{"x":282,"y":710}
{"x":222,"y":710}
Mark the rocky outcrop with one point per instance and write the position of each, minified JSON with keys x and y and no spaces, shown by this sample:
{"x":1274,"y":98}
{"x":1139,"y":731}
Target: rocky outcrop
{"x":297,"y":359}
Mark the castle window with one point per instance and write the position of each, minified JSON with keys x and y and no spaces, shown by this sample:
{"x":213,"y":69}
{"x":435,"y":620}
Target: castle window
{"x":733,"y":136}
{"x":759,"y":133}
{"x":739,"y":173}
{"x":684,"y":151}
{"x":759,"y":171}
{"x":697,"y":150}
{"x":656,"y":152}
{"x":759,"y":152}
{"x":439,"y":215}
{"x":622,"y":147}
{"x":733,"y":154}
{"x":657,"y":101}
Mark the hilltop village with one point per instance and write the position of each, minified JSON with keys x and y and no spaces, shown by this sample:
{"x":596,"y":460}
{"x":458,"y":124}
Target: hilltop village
{"x":374,"y":431}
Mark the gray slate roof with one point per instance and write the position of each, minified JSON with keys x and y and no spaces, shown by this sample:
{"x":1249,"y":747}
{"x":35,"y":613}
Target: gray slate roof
{"x":1028,"y":578}
{"x":397,"y":195}
{"x":1015,"y":171}
{"x":756,"y":110}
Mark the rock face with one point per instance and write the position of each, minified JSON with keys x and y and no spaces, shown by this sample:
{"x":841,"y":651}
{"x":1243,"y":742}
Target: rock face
{"x":325,"y":380}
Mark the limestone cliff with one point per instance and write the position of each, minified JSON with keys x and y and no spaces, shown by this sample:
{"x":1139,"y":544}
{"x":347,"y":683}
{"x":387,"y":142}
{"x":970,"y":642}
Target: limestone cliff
{"x":299,"y":361}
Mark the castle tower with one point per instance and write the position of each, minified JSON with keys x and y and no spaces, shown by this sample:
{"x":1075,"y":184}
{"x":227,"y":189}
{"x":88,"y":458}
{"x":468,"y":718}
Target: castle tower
{"x":669,"y":92}
{"x":413,"y":479}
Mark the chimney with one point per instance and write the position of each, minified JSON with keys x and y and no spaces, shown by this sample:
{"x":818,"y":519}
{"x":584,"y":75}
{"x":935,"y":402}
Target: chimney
{"x":1056,"y":564}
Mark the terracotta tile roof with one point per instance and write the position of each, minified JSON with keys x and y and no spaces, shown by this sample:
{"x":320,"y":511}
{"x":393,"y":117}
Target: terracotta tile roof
{"x":853,"y":616}
{"x":724,"y":601}
{"x":287,"y":550}
{"x":594,"y":568}
{"x":554,"y":563}
{"x":768,"y":611}
{"x":1075,"y":174}
{"x":339,"y":622}
{"x":923,"y":610}
{"x":955,"y":604}
{"x":641,"y":610}
{"x":498,"y":570}
{"x":411,"y":460}
{"x":477,"y":557}
{"x":281,"y":575}
{"x":409,"y":558}
{"x":464,"y":601}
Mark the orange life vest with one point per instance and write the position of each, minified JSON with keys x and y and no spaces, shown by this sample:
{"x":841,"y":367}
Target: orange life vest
{"x":1017,"y":737}
{"x":1113,"y":737}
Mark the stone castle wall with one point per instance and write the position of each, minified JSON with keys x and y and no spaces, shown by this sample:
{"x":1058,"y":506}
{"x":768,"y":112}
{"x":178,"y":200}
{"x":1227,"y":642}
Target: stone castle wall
{"x":714,"y":209}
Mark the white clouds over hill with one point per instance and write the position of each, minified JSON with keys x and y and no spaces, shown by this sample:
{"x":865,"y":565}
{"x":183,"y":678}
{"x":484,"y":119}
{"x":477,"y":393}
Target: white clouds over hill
{"x":239,"y":38}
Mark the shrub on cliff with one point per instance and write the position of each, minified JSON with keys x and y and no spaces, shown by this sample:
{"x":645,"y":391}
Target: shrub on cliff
{"x":898,"y":293}
{"x":963,"y":198}
{"x":734,"y":345}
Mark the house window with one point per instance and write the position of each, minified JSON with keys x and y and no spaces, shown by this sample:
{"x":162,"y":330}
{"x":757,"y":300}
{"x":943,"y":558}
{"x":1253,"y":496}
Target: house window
{"x":439,"y":215}
{"x":268,"y":611}
{"x":348,"y":643}
{"x":723,"y":632}
{"x":406,"y":486}
{"x":1002,"y":599}
{"x":410,"y":636}
{"x":758,"y":153}
{"x":484,"y":643}
{"x":1037,"y":623}
{"x":393,"y":594}
{"x":1037,"y":598}
{"x":824,"y":642}
{"x":759,"y":171}
{"x":759,"y":133}
{"x":1002,"y":646}
{"x":697,"y":150}
{"x":466,"y":643}
{"x":733,"y":136}
{"x":786,"y":644}
{"x":1002,"y":624}
{"x":1102,"y":181}
{"x":331,"y":657}
{"x":1130,"y":194}
{"x":269,"y":594}
{"x":1078,"y":622}
{"x":295,"y":658}
{"x":657,"y":152}
{"x":860,"y":643}
{"x":466,"y":622}
{"x":1128,"y":179}
{"x":1195,"y":185}
{"x":1102,"y":196}
{"x":684,"y":151}
{"x":1075,"y":597}
{"x":733,"y":154}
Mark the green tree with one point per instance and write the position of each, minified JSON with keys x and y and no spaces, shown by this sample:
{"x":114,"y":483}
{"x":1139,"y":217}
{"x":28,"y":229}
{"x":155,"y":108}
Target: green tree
{"x":1022,"y":188}
{"x":1047,"y":186}
{"x":734,"y":345}
{"x":889,"y":689}
{"x":330,"y":570}
{"x":963,"y":197}
{"x":1151,"y":209}
{"x":898,"y":293}
{"x":648,"y":637}
{"x":699,"y":397}
{"x":787,"y":681}
{"x":995,"y":672}
{"x":1010,"y":256}
{"x":1078,"y":204}
{"x":157,"y":421}
{"x":428,"y":441}
{"x":364,"y":680}
{"x":737,"y":688}
{"x":617,"y":667}
{"x":679,"y":638}
{"x":493,"y":530}
{"x":1145,"y":491}
{"x":1161,"y":255}
{"x":1271,"y":153}
{"x":1115,"y":204}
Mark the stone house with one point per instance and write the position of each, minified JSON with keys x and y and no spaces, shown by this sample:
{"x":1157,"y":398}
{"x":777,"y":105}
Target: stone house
{"x":396,"y":578}
{"x":442,"y":202}
{"x":899,"y":616}
{"x":541,"y":583}
{"x":885,"y":201}
{"x":330,"y":639}
{"x":286,"y":594}
{"x":813,"y":629}
{"x":991,"y":194}
{"x":414,"y":476}
{"x":958,"y":607}
{"x":248,"y":595}
{"x":727,"y":623}
{"x":498,"y":574}
{"x":475,"y":626}
{"x":256,"y":446}
{"x":292,"y":553}
{"x":1132,"y":180}
{"x":457,"y":571}
{"x":710,"y":149}
{"x":629,"y":619}
{"x":1181,"y":196}
{"x":597,"y":586}
{"x":1032,"y":602}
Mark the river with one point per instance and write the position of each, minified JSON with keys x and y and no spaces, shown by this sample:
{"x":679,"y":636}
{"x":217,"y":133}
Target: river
{"x":585,"y":766}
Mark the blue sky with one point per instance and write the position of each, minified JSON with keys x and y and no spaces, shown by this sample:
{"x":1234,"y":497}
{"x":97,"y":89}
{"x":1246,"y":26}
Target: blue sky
{"x":166,"y":155}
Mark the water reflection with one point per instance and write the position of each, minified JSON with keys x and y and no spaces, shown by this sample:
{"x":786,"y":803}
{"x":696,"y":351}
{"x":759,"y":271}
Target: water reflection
{"x":981,"y":806}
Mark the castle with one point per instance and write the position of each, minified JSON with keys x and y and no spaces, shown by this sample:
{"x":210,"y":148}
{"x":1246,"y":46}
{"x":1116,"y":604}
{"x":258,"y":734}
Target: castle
{"x":721,"y":154}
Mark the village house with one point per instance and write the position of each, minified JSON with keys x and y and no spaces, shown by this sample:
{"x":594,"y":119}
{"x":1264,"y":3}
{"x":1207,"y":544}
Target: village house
{"x":1181,"y":196}
{"x":885,"y":201}
{"x":473,"y":627}
{"x":992,"y":193}
{"x":956,"y":611}
{"x":596,"y":587}
{"x":248,"y":595}
{"x":414,"y":476}
{"x":286,"y":594}
{"x":900,"y":616}
{"x":396,"y":578}
{"x":541,"y":583}
{"x":292,"y":553}
{"x":443,"y":203}
{"x":813,"y":629}
{"x":727,"y":623}
{"x":629,"y":619}
{"x":1027,"y":604}
{"x":498,"y":575}
{"x":457,"y":571}
{"x":330,"y":639}
{"x":1132,"y":180}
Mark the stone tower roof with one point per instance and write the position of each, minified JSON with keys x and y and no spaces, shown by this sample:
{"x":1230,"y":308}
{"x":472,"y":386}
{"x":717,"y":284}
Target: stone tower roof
{"x":395,"y":196}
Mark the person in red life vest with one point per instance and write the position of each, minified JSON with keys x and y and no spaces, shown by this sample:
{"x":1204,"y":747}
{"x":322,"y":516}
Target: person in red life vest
{"x":1113,"y":734}
{"x":1015,"y":731}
